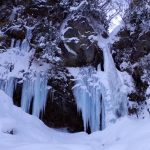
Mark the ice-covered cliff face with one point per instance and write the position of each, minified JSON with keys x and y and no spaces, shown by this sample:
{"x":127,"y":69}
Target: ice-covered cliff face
{"x":31,"y":68}
{"x":39,"y":40}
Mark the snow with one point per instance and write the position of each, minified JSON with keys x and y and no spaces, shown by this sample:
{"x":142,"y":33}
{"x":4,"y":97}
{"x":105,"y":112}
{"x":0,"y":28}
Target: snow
{"x":16,"y":59}
{"x":31,"y":134}
{"x":79,"y":6}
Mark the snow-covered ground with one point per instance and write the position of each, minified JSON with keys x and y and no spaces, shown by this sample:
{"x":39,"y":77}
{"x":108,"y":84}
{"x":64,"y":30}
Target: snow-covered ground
{"x":29,"y":133}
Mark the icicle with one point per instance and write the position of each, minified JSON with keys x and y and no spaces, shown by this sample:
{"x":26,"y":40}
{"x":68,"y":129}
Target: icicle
{"x":27,"y":94}
{"x":8,"y":86}
{"x":12,"y":43}
{"x":25,"y":43}
{"x":2,"y":84}
{"x":40,"y":95}
{"x":35,"y":90}
{"x":18,"y":43}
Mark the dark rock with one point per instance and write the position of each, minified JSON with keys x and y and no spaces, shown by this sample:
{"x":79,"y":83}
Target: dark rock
{"x":78,"y":39}
{"x":133,"y":111}
{"x":12,"y":132}
{"x":18,"y":33}
{"x":17,"y":94}
{"x":105,"y":35}
{"x":37,"y":11}
{"x":5,"y":41}
{"x":124,"y":33}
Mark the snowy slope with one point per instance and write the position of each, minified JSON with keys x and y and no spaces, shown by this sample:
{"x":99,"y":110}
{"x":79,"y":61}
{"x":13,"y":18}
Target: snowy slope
{"x":31,"y":134}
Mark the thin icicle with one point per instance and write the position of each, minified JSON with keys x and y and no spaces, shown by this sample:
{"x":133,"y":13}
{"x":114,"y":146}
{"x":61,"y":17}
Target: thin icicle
{"x":25,"y":43}
{"x":12,"y":43}
{"x":27,"y":94}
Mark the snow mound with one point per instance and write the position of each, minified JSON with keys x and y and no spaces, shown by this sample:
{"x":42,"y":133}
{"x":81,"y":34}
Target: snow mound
{"x":21,"y":131}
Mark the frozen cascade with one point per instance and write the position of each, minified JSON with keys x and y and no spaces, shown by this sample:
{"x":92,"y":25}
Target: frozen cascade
{"x":35,"y":90}
{"x":90,"y":95}
{"x":101,"y":96}
{"x":117,"y":94}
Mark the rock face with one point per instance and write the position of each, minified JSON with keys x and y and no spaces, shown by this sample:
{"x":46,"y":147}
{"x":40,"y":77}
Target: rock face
{"x":56,"y":34}
{"x":132,"y":51}
{"x":79,"y":46}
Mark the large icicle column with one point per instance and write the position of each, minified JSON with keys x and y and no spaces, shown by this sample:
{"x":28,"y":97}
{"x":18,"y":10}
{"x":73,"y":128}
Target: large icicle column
{"x":34,"y":90}
{"x":117,"y":92}
{"x":90,"y":96}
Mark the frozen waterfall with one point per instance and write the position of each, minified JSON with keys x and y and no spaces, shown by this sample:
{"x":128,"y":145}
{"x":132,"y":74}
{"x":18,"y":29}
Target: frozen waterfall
{"x":101,"y":96}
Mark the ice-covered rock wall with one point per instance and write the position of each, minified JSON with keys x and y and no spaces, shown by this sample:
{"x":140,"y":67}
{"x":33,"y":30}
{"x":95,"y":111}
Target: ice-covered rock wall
{"x":38,"y":41}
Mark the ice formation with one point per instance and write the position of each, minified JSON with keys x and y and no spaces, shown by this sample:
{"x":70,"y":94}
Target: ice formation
{"x":90,"y":96}
{"x":8,"y":86}
{"x":101,"y":95}
{"x":36,"y":91}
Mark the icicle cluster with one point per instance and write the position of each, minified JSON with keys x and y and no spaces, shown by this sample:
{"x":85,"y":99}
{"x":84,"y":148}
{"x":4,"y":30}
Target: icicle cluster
{"x":90,"y":96}
{"x":35,"y":90}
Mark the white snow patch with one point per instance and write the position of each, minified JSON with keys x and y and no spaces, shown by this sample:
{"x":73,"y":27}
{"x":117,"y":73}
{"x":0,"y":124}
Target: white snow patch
{"x":31,"y":134}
